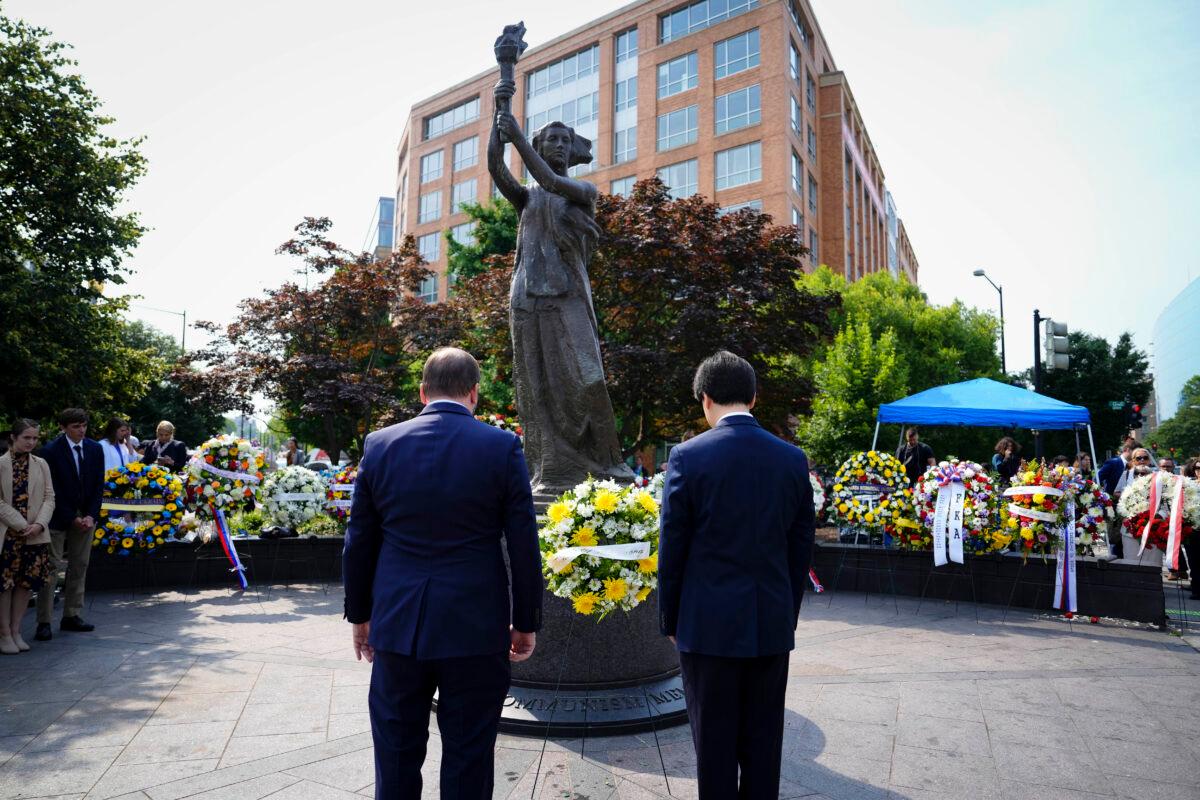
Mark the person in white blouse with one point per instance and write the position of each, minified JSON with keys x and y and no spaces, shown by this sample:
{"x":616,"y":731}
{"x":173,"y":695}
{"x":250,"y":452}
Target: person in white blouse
{"x":117,"y":450}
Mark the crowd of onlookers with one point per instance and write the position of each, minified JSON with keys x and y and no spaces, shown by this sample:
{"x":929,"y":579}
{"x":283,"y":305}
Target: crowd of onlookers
{"x":49,"y":509}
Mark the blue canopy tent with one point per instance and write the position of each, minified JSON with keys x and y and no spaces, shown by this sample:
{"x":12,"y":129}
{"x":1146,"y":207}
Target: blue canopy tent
{"x":986,"y":403}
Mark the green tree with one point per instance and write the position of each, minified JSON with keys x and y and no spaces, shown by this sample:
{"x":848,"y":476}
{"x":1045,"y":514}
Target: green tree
{"x":495,"y":234}
{"x":167,"y":397}
{"x":860,"y":371}
{"x":1181,"y":432}
{"x":1100,"y":375}
{"x":62,"y":181}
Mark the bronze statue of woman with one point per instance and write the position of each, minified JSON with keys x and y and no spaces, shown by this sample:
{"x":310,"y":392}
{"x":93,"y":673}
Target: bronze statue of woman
{"x":558,"y":376}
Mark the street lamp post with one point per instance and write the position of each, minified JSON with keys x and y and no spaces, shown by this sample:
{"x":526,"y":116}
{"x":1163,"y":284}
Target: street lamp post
{"x":183,"y":330}
{"x":981,"y":274}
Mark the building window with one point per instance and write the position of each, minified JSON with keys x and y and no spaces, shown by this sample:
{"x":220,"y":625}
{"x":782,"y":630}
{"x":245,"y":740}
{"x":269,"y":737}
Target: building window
{"x":678,"y":75}
{"x":812,"y":144}
{"x":810,"y":91}
{"x":678,"y":128}
{"x":798,"y":221}
{"x":429,"y":206}
{"x":466,"y":153}
{"x":797,"y":176}
{"x":626,"y":94}
{"x":681,"y":179}
{"x":739,"y":165}
{"x":754,"y":204}
{"x":625,"y":145}
{"x":736,"y":54}
{"x":627,"y":45}
{"x":801,"y":25}
{"x":738,"y":109}
{"x":793,"y":61}
{"x":428,"y":293}
{"x":431,"y":167}
{"x":812,"y":195}
{"x":622,"y":187}
{"x":575,"y":113}
{"x":795,"y":114}
{"x":461,"y":193}
{"x":430,"y":246}
{"x":812,"y":245}
{"x":698,"y":16}
{"x":563,"y":72}
{"x":462,"y":233}
{"x":456,"y":117}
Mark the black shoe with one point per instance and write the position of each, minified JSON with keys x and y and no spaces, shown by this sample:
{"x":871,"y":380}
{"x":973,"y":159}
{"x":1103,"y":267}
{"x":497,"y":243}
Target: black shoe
{"x":43,"y":632}
{"x":76,"y":624}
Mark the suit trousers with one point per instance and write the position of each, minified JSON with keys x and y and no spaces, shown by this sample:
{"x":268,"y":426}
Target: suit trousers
{"x":735,"y":706}
{"x":471,"y":692}
{"x":72,"y":549}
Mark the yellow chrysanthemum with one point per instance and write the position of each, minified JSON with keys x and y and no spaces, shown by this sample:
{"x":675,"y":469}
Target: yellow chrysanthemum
{"x":606,"y":501}
{"x":127,"y":543}
{"x":584,"y":537}
{"x":647,"y":501}
{"x":648,"y":565}
{"x":558,"y":512}
{"x":1012,"y":522}
{"x":585,"y":603}
{"x":1027,"y":535}
{"x":615,"y":589}
{"x":842,"y":507}
{"x":1030,"y":477}
{"x":643,"y":593}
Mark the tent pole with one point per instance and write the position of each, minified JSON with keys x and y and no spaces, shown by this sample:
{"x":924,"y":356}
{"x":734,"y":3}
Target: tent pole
{"x":1092,"y":442}
{"x":1076,"y":443}
{"x":901,"y":442}
{"x":875,"y":440}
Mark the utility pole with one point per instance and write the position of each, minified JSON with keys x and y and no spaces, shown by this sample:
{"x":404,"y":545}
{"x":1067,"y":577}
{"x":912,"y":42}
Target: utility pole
{"x":1037,"y":375}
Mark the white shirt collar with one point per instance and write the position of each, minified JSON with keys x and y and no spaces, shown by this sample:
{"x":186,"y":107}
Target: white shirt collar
{"x":736,"y":414}
{"x":455,"y":402}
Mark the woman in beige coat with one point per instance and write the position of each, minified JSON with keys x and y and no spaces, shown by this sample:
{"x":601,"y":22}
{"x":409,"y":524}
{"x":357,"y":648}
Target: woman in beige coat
{"x":26,"y":503}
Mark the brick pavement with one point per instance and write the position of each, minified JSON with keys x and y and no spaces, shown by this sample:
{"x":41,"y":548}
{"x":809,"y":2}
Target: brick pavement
{"x":241,"y":697}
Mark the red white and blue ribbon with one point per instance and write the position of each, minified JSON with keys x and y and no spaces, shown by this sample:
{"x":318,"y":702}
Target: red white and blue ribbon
{"x":1064,"y":573}
{"x":228,"y":546}
{"x":948,"y":515}
{"x":816,"y":583}
{"x":1156,"y":498}
{"x":1175,"y":526}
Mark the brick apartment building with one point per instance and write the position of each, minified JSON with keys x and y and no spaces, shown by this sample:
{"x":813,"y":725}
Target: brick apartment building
{"x":738,"y":100}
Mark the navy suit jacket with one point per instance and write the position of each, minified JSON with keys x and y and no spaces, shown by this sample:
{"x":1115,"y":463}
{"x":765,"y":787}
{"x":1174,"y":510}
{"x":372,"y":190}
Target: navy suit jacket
{"x":423,"y":559}
{"x":736,"y":541}
{"x":76,"y":494}
{"x":1110,"y":473}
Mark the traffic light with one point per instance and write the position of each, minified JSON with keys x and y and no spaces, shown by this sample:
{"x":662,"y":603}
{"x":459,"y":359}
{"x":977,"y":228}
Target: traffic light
{"x":1135,"y":418}
{"x":1057,"y":345}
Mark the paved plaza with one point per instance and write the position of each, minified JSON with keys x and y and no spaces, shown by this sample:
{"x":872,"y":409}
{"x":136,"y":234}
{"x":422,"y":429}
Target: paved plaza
{"x":220,"y":695}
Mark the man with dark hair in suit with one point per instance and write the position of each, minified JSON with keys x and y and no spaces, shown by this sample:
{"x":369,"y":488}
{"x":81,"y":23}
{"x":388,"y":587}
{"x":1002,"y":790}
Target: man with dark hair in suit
{"x":77,"y":472}
{"x":734,"y":552}
{"x":427,"y":591}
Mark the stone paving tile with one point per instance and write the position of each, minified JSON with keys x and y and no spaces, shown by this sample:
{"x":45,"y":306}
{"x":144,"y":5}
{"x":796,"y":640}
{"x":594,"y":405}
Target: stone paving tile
{"x":348,"y":724}
{"x":29,"y":718}
{"x":1144,"y":789}
{"x":867,"y":740}
{"x":252,"y":789}
{"x":212,"y":707}
{"x":182,"y":742}
{"x":939,"y":733}
{"x":1015,"y":790}
{"x":1130,"y":759}
{"x":121,"y":779}
{"x":271,"y":718}
{"x":351,"y":771}
{"x":1059,"y":767}
{"x":307,"y":790}
{"x":241,"y":749}
{"x":963,"y":774}
{"x":36,"y":774}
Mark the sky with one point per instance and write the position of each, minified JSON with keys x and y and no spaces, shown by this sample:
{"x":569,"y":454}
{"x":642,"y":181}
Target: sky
{"x":1053,"y":144}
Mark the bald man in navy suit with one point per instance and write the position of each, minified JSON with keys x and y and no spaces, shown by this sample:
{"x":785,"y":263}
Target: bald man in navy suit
{"x":436,"y":500}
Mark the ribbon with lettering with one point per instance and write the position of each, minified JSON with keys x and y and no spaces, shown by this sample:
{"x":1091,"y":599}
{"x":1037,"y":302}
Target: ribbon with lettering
{"x":297,"y":497}
{"x":1156,"y":498}
{"x":1030,"y":513}
{"x":948,"y":516}
{"x":228,"y":546}
{"x":152,"y":504}
{"x":634,"y":551}
{"x":224,"y":473}
{"x":1064,"y":573}
{"x":1175,"y":526}
{"x":342,"y":502}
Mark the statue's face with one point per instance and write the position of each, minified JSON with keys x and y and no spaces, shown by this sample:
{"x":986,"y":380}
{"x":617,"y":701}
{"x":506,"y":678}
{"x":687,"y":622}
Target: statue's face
{"x":555,"y":147}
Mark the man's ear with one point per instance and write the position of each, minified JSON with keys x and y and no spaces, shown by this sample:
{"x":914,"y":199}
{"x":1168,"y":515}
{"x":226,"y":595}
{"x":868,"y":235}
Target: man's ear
{"x":421,"y":391}
{"x":753,"y":400}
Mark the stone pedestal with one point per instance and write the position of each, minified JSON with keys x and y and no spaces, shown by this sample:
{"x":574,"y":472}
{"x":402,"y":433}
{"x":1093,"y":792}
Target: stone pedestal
{"x":1150,"y":557}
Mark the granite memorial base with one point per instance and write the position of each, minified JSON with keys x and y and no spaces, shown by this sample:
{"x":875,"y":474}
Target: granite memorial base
{"x":1122,"y":589}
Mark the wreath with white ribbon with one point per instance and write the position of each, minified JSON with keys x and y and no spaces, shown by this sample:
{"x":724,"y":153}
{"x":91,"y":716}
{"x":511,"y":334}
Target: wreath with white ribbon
{"x":226,"y":471}
{"x":1161,"y":510}
{"x":293,"y":496}
{"x":1041,"y":511}
{"x":599,"y":546}
{"x":818,"y":490}
{"x":141,"y":507}
{"x":870,"y":490}
{"x":340,"y":497}
{"x":955,"y":503}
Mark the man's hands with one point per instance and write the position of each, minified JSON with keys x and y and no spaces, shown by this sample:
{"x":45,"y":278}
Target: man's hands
{"x":84,"y":523}
{"x":522,"y":645}
{"x":166,"y":461}
{"x":360,"y":632}
{"x":672,"y":638}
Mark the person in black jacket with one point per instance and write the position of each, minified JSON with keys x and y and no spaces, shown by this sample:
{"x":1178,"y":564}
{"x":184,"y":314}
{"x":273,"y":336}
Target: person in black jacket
{"x":166,"y":450}
{"x":77,"y":472}
{"x":1009,"y":461}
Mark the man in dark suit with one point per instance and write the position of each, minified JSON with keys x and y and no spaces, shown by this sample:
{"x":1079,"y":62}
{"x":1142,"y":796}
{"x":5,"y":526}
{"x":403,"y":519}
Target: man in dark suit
{"x":77,"y":472}
{"x":435,"y":502}
{"x":1111,"y":473}
{"x":734,"y":552}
